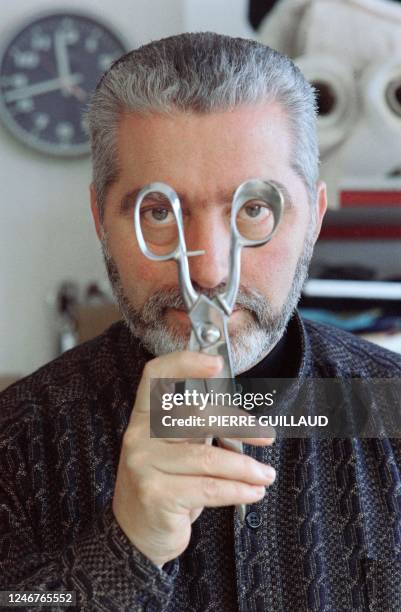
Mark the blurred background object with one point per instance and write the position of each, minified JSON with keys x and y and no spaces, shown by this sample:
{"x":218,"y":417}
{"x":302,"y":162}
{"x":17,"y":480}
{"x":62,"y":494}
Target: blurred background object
{"x":258,"y":9}
{"x":82,"y":317}
{"x":350,"y":51}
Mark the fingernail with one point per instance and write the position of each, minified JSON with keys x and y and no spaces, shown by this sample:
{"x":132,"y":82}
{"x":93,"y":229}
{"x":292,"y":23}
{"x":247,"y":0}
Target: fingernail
{"x":270,"y":472}
{"x":259,"y":492}
{"x":216,"y":361}
{"x":273,"y":435}
{"x":271,"y":439}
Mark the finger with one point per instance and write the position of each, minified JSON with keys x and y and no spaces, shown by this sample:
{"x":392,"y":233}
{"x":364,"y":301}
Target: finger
{"x":205,"y":432}
{"x":204,"y":460}
{"x":259,"y":441}
{"x":187,"y":493}
{"x":183,"y":364}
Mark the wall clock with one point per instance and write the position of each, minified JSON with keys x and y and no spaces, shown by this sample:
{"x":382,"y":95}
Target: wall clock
{"x":48,"y":71}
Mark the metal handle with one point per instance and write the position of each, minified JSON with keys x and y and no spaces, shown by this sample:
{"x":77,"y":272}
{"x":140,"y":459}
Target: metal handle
{"x":180,"y":253}
{"x":254,"y":189}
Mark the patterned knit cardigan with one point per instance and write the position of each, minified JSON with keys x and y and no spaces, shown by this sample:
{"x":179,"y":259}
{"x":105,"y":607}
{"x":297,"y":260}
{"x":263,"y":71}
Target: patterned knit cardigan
{"x":328,"y":535}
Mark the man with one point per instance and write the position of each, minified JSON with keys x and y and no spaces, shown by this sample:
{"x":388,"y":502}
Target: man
{"x":90,"y":502}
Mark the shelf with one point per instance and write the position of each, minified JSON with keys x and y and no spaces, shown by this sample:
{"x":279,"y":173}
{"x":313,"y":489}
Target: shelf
{"x":343,"y":289}
{"x":362,"y":224}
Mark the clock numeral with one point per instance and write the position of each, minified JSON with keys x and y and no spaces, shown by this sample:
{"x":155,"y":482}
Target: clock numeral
{"x":72,"y":37}
{"x":92,"y":40}
{"x":26,"y":59}
{"x":85,"y":126}
{"x":91,"y":44}
{"x":19,"y":80}
{"x":71,"y":34}
{"x":40,"y":41}
{"x":41,"y":121}
{"x":65,"y":131}
{"x":105,"y":60}
{"x":14,"y":80}
{"x":26,"y":105}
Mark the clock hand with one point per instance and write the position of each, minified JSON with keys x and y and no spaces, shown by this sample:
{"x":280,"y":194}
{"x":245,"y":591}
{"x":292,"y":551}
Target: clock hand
{"x":78,"y":93}
{"x":41,"y":88}
{"x":62,"y":60}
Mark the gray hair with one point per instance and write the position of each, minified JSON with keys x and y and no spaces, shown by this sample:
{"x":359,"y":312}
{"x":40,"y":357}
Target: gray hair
{"x":202,"y":73}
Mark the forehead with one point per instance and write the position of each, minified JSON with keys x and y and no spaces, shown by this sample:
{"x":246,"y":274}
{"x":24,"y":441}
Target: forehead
{"x":247,"y":142}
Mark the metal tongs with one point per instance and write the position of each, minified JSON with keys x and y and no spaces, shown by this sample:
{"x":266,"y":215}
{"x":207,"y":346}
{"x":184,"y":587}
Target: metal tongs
{"x":256,"y":211}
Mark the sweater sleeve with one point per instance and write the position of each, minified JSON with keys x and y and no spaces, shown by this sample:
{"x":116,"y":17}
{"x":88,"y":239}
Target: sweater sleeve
{"x":102,"y":566}
{"x":54,"y":536}
{"x":60,"y":439}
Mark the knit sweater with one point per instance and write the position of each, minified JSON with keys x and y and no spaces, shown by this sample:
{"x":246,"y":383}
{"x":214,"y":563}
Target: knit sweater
{"x":326,"y":536}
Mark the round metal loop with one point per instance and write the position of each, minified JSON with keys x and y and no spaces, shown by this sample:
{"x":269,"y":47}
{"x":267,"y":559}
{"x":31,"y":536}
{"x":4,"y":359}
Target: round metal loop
{"x":173,"y":200}
{"x":252,"y":191}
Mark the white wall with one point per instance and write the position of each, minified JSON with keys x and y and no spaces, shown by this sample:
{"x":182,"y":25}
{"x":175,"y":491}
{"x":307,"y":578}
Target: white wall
{"x":46,"y":234}
{"x":224,"y":16}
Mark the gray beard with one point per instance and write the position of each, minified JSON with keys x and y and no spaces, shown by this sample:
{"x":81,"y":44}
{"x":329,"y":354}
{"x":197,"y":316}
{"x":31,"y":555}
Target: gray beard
{"x":249,"y":344}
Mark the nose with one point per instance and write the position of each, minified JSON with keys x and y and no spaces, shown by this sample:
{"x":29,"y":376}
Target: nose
{"x":212,"y":235}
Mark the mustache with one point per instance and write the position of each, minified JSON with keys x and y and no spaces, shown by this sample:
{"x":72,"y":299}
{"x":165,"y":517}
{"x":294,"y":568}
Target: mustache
{"x":155,"y":307}
{"x":247,"y":299}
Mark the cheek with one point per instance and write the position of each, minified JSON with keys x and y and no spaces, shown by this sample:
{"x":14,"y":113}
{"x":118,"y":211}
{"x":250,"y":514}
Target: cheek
{"x":139,"y":275}
{"x":270,"y":269}
{"x":143,"y":275}
{"x":265,"y":268}
{"x":132,"y":265}
{"x":145,"y":270}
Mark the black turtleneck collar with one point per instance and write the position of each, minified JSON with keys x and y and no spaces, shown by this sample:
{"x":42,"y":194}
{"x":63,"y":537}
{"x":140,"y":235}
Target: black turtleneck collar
{"x":284,"y":361}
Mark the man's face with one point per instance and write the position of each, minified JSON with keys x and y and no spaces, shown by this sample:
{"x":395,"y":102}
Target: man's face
{"x":204,"y":158}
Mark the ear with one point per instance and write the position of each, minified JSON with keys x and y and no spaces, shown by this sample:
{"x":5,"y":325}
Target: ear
{"x":95,"y":212}
{"x":321,"y":204}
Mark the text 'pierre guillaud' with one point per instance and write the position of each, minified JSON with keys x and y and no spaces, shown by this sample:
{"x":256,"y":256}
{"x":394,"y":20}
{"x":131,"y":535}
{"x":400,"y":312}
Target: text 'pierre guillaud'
{"x":245,"y":420}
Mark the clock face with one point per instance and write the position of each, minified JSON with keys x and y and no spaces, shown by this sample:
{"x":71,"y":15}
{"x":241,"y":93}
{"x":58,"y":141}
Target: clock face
{"x":47,"y":74}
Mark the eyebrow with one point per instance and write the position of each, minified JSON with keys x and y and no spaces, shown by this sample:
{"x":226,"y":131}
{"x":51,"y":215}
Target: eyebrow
{"x":225,"y":197}
{"x":288,"y":200}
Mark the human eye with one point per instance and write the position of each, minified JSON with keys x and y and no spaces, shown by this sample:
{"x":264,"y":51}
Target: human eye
{"x":255,"y":210}
{"x":255,"y":220}
{"x":157,"y":219}
{"x":157,"y":215}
